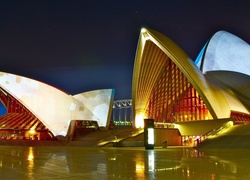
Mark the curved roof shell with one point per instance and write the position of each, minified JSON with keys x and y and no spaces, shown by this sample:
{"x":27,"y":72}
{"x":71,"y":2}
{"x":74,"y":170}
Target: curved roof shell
{"x":55,"y":108}
{"x":152,"y":51}
{"x":225,"y":51}
{"x":235,"y":84}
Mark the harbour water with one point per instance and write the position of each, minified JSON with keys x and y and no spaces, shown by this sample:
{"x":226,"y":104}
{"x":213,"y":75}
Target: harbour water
{"x":19,"y":162}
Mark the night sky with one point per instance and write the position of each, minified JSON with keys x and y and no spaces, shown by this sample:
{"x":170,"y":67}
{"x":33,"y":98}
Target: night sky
{"x":82,"y":45}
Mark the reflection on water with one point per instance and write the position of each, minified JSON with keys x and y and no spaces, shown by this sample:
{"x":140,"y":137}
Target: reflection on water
{"x":102,"y":168}
{"x":151,"y":161}
{"x":30,"y":161}
{"x":123,"y":163}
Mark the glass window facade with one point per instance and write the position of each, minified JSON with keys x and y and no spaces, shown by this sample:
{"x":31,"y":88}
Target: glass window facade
{"x":174,"y":99}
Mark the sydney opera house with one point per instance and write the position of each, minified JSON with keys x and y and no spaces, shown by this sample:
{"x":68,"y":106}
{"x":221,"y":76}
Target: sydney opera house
{"x":194,"y":98}
{"x":197,"y":97}
{"x":39,"y":111}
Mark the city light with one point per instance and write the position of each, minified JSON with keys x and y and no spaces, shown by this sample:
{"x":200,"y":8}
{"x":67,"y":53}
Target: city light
{"x":139,"y":121}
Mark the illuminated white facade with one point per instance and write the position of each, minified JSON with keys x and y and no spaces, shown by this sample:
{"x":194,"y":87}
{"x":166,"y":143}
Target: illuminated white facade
{"x":225,"y":52}
{"x":55,"y":108}
{"x":224,"y":60}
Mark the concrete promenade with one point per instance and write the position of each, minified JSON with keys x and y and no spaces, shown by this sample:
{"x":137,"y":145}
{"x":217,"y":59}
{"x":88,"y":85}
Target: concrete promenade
{"x":77,"y":163}
{"x":63,"y":162}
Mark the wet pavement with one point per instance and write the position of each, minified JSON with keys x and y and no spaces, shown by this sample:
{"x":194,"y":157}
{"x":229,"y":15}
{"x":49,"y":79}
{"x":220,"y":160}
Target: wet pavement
{"x":19,"y":162}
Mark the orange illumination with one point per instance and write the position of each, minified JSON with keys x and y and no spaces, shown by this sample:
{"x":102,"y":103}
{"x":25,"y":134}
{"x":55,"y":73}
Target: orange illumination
{"x":31,"y":131}
{"x":31,"y":154}
{"x":139,"y":168}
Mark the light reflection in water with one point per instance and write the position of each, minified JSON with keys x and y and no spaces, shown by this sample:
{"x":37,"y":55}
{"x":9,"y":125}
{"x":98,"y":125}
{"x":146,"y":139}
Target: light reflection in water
{"x":31,"y":154}
{"x":30,"y":161}
{"x":102,"y":168}
{"x":151,"y":161}
{"x":179,"y":163}
{"x":188,"y":173}
{"x":139,"y":165}
{"x":139,"y":168}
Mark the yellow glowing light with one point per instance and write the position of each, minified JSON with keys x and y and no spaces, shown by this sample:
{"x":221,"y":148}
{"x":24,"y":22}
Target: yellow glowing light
{"x":31,"y":131}
{"x":230,"y":123}
{"x":31,"y":154}
{"x":143,"y":30}
{"x":139,"y":167}
{"x":30,"y":157}
{"x":139,"y":121}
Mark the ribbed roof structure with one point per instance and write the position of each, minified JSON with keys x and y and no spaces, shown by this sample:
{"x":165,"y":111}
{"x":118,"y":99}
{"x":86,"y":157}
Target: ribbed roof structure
{"x":166,"y":82}
{"x":55,"y":108}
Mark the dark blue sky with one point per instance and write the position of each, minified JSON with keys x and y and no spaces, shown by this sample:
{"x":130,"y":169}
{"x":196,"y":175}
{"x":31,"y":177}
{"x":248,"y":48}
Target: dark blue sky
{"x":81,"y":45}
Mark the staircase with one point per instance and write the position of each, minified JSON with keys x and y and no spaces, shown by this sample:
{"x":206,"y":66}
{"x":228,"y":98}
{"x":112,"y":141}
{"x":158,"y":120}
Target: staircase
{"x":102,"y":137}
{"x":234,"y":137}
{"x":115,"y":140}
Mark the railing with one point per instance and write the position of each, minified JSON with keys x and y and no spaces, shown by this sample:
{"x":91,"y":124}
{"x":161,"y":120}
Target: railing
{"x":214,"y":132}
{"x":119,"y":137}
